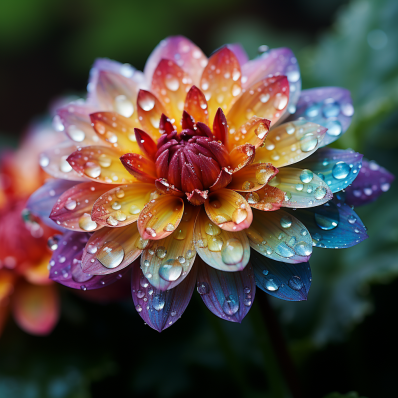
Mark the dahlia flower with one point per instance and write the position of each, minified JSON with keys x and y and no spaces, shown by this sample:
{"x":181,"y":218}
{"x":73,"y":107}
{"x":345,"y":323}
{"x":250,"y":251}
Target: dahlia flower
{"x":199,"y":172}
{"x":25,"y":288}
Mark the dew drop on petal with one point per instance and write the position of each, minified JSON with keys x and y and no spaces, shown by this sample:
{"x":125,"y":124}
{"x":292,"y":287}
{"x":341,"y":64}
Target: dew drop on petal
{"x":203,"y":288}
{"x":111,"y":255}
{"x":232,"y":252}
{"x":231,"y":305}
{"x":295,"y":283}
{"x":341,"y":170}
{"x":306,"y":176}
{"x":86,"y":223}
{"x":92,"y":169}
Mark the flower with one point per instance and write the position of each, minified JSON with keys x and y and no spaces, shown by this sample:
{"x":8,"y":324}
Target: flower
{"x":179,"y":175}
{"x":25,"y":288}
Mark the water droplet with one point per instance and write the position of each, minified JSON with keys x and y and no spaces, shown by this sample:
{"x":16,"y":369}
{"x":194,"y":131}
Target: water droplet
{"x":327,"y":221}
{"x":119,"y":193}
{"x":351,"y":219}
{"x":320,"y":193}
{"x":86,"y":223}
{"x":280,"y":101}
{"x":123,"y":106}
{"x":161,"y":252}
{"x":169,"y":227}
{"x":172,"y":82}
{"x":52,"y":243}
{"x":286,"y":222}
{"x":341,"y":170}
{"x":264,"y":98}
{"x":231,"y":305}
{"x":111,"y":255}
{"x":44,"y":160}
{"x":284,"y":250}
{"x":158,"y":302}
{"x":70,"y":205}
{"x":232,"y":252}
{"x":112,"y":221}
{"x":76,"y":134}
{"x":104,"y":160}
{"x":236,"y":90}
{"x":134,"y":210}
{"x":331,"y":110}
{"x":140,"y":294}
{"x":334,"y":128}
{"x":92,"y":169}
{"x":295,"y":283}
{"x":212,"y":229}
{"x":308,"y":143}
{"x":263,"y":175}
{"x":170,"y":271}
{"x":252,"y":198}
{"x":239,"y":215}
{"x":303,"y":249}
{"x":288,"y":196}
{"x":270,"y":285}
{"x":347,"y":109}
{"x":247,"y":302}
{"x":146,"y":102}
{"x":265,"y":272}
{"x":299,"y":187}
{"x":306,"y":176}
{"x":138,"y":308}
{"x":203,"y":288}
{"x":313,"y":110}
{"x":261,"y":131}
{"x":92,"y":249}
{"x":247,"y":185}
{"x":215,"y":243}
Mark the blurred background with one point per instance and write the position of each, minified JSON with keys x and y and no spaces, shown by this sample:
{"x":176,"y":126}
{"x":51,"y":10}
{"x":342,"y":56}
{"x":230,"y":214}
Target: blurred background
{"x":344,"y":337}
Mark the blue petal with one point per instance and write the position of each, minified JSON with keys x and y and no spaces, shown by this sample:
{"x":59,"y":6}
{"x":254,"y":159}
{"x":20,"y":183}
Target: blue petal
{"x":333,"y":225}
{"x":330,"y":107}
{"x":161,"y":308}
{"x":228,"y":295}
{"x":337,"y":167}
{"x":282,"y":280}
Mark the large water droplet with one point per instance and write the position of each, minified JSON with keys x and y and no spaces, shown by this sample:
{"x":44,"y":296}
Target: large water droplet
{"x":111,"y":254}
{"x":86,"y":223}
{"x":170,"y":271}
{"x":284,"y":250}
{"x":293,"y":76}
{"x":331,"y":110}
{"x":146,"y":103}
{"x":70,"y":205}
{"x":92,"y":169}
{"x":232,"y":252}
{"x":104,"y":160}
{"x":313,"y":110}
{"x":320,"y":193}
{"x":286,"y":222}
{"x":76,"y":134}
{"x":212,"y":229}
{"x":158,"y":302}
{"x":270,"y":285}
{"x":123,"y":106}
{"x":306,"y":176}
{"x":203,"y":288}
{"x":295,"y":283}
{"x":303,"y":249}
{"x":280,"y":101}
{"x":326,"y":223}
{"x":231,"y":305}
{"x":341,"y":170}
{"x":161,"y":252}
{"x":44,"y":160}
{"x":64,"y":166}
{"x":215,"y":243}
{"x":239,"y":215}
{"x":334,"y":128}
{"x":308,"y":143}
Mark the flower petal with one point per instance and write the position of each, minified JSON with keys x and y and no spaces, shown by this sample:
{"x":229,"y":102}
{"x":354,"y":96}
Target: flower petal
{"x":252,"y":177}
{"x":54,"y":162}
{"x":150,"y":111}
{"x":330,"y":107}
{"x":112,"y":249}
{"x":221,"y":81}
{"x":220,"y":127}
{"x":116,"y":130}
{"x":276,"y":61}
{"x":241,"y":156}
{"x":76,"y":122}
{"x":43,"y":200}
{"x":333,"y":226}
{"x":146,"y":144}
{"x":100,"y":164}
{"x":66,"y":264}
{"x":229,"y":210}
{"x":290,"y":143}
{"x":228,"y":295}
{"x":371,"y":182}
{"x":73,"y":208}
{"x":160,"y":217}
{"x":197,"y":197}
{"x":239,"y":52}
{"x":280,"y":236}
{"x":7,"y":282}
{"x":223,"y":179}
{"x":266,"y":199}
{"x":282,"y":280}
{"x":166,"y":262}
{"x":170,"y":84}
{"x":160,"y":309}
{"x":140,"y":167}
{"x":196,"y":105}
{"x":164,"y":187}
{"x":122,"y":205}
{"x":266,"y":99}
{"x":221,"y":249}
{"x":253,"y":132}
{"x":302,"y":187}
{"x":337,"y":167}
{"x":181,"y":50}
{"x":35,"y":308}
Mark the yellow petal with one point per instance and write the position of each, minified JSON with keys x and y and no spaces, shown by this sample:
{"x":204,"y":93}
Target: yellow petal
{"x":252,"y":177}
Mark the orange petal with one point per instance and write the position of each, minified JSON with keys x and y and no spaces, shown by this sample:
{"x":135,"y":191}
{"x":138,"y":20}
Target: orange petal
{"x":35,"y":308}
{"x":117,"y":93}
{"x":100,"y":164}
{"x":160,"y":217}
{"x":197,"y":197}
{"x":266,"y":199}
{"x":223,"y":179}
{"x":280,"y":236}
{"x":122,"y":205}
{"x":167,"y":262}
{"x":252,"y":177}
{"x":229,"y":210}
{"x":164,"y":187}
{"x":266,"y":99}
{"x":150,"y":111}
{"x":7,"y":281}
{"x":73,"y":208}
{"x":196,"y":105}
{"x":112,"y":249}
{"x":140,"y":167}
{"x":171,"y":84}
{"x":221,"y":81}
{"x":115,"y":130}
{"x":290,"y":142}
{"x":241,"y":156}
{"x":54,"y":162}
{"x":38,"y":273}
{"x":253,"y":132}
{"x":223,"y":250}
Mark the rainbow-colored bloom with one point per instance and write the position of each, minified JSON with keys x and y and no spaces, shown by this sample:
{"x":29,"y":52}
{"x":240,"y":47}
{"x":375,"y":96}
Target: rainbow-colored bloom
{"x":179,"y":174}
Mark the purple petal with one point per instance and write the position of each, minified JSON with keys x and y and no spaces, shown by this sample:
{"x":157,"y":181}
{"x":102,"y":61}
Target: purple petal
{"x":371,"y":182}
{"x":330,"y":107}
{"x":239,"y":52}
{"x":43,"y":200}
{"x":65,"y":264}
{"x":161,"y":309}
{"x":279,"y":61}
{"x":282,"y":280}
{"x":333,"y":225}
{"x":337,"y":167}
{"x":228,"y":295}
